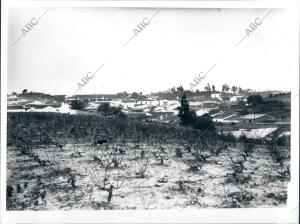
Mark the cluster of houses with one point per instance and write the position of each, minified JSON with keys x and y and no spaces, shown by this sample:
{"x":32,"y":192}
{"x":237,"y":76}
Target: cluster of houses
{"x":149,"y":108}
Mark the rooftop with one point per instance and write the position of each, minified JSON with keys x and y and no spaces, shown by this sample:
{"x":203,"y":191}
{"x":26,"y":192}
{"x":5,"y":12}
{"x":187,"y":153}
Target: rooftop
{"x":252,"y":116}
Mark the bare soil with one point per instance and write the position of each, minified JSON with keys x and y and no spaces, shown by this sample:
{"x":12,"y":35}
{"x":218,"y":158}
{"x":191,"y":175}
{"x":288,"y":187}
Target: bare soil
{"x":170,"y":185}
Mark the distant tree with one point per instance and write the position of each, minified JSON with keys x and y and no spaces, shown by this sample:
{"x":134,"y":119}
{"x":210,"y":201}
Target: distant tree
{"x":106,"y":110}
{"x":240,"y":90}
{"x":122,"y":94}
{"x":234,"y":89}
{"x":225,"y":88}
{"x":204,"y":123}
{"x":135,"y":95}
{"x":77,"y":105}
{"x":173,"y":90}
{"x":14,"y":93}
{"x":180,"y":90}
{"x":255,"y":99}
{"x":186,"y":116}
{"x":24,"y":91}
{"x":213,"y":88}
{"x":207,"y":88}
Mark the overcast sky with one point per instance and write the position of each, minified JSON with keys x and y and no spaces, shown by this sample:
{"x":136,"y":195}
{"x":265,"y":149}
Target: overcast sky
{"x":172,"y":50}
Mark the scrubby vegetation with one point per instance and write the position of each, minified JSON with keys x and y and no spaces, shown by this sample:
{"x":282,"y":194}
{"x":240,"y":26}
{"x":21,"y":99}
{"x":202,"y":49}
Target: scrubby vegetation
{"x":58,"y":161}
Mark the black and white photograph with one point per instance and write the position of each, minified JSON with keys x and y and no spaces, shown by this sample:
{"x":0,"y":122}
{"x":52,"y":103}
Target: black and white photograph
{"x":123,"y":108}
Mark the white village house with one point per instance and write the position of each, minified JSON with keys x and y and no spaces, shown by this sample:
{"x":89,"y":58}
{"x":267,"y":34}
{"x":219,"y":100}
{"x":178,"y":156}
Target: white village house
{"x":257,"y":118}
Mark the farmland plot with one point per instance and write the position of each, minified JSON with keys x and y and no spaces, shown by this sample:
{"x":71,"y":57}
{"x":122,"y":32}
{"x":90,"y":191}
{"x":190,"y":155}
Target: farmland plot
{"x":152,"y":175}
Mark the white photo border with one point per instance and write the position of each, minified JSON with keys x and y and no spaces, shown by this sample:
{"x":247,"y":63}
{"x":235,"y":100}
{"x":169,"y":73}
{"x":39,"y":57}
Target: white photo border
{"x":253,"y":215}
